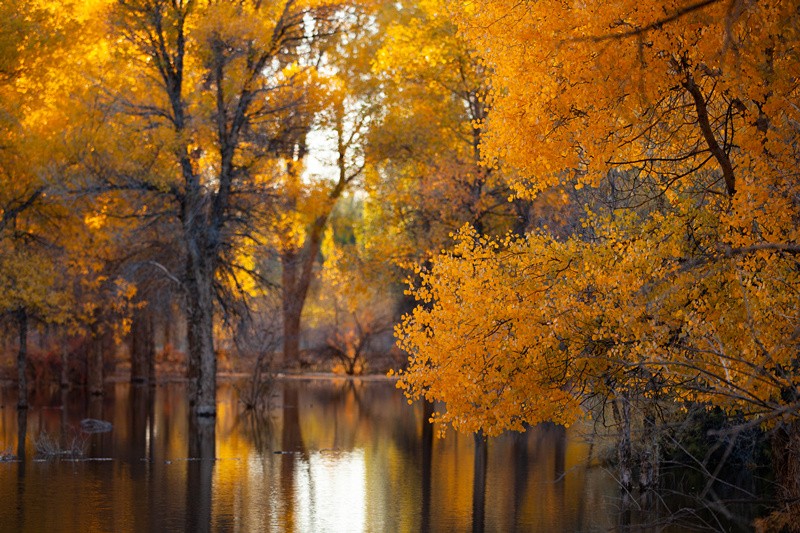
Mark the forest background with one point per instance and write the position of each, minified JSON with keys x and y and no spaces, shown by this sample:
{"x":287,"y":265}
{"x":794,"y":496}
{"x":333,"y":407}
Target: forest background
{"x":595,"y":206}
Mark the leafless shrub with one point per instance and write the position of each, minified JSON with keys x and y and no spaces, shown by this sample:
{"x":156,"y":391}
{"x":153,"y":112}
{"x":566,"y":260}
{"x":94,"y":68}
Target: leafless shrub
{"x":349,"y":342}
{"x":258,"y":336}
{"x":48,"y":447}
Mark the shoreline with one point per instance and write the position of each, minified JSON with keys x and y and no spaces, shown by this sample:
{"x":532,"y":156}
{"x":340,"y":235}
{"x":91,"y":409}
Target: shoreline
{"x":227,"y":377}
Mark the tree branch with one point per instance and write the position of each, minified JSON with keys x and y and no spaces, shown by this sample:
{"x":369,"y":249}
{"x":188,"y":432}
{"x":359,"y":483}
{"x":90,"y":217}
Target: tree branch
{"x":708,"y":134}
{"x":652,"y":26}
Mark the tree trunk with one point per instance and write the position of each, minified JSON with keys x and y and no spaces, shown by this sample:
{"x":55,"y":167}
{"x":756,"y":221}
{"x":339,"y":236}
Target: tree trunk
{"x":167,"y":317}
{"x":22,"y":359}
{"x":95,"y":363}
{"x":648,"y":474}
{"x":65,"y":363}
{"x":151,"y":361}
{"x":786,"y":464}
{"x":142,"y":345}
{"x":109,"y":353}
{"x":298,"y":270}
{"x":200,"y":333}
{"x":298,"y":264}
{"x":22,"y":435}
{"x":292,"y":306}
{"x":624,"y":447}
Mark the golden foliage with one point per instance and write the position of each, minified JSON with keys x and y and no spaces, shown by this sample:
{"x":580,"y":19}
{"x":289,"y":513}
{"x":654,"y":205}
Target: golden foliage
{"x":677,"y":123}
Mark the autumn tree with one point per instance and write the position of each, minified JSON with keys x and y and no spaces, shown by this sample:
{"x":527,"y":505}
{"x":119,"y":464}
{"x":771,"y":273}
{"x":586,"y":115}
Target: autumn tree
{"x":348,"y":104}
{"x":199,"y":122}
{"x":103,"y":251}
{"x":34,"y":217}
{"x":426,"y":177}
{"x":357,"y":297}
{"x":680,"y":118}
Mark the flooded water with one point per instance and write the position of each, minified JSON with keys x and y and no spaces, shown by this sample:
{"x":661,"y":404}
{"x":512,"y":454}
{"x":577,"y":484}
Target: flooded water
{"x":328,"y":456}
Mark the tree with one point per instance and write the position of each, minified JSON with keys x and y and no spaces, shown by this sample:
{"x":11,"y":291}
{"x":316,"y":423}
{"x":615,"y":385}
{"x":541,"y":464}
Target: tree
{"x":426,"y":179}
{"x":302,"y":239}
{"x":357,"y":299}
{"x":679,"y":117}
{"x":200,"y":122}
{"x":33,"y":214}
{"x":349,"y":102}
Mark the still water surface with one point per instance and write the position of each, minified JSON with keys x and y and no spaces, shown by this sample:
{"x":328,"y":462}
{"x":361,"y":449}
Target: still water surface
{"x":329,"y":456}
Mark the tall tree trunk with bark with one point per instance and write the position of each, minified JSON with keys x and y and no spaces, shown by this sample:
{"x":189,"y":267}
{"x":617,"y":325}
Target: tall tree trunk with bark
{"x":22,"y":359}
{"x":292,"y":307}
{"x":298,"y":264}
{"x":200,"y":336}
{"x":94,"y":378}
{"x":650,"y":461}
{"x":95,"y":374}
{"x":216,"y":168}
{"x":142,"y":345}
{"x":64,"y":378}
{"x":621,"y":408}
{"x":298,"y":270}
{"x":786,"y":465}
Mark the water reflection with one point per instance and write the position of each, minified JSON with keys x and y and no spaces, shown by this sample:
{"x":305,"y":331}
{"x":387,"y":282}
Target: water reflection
{"x":22,"y":431}
{"x":328,"y":456}
{"x":480,"y":464}
{"x":427,"y":464}
{"x":201,"y":459}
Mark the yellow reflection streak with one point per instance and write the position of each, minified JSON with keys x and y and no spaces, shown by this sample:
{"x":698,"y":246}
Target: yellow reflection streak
{"x":331,"y":492}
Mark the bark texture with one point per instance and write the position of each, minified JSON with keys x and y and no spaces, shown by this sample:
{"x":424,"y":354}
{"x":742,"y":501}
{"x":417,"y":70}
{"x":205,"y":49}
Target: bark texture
{"x":22,"y":360}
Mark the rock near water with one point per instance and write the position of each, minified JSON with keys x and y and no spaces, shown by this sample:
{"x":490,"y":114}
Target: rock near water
{"x":92,"y":425}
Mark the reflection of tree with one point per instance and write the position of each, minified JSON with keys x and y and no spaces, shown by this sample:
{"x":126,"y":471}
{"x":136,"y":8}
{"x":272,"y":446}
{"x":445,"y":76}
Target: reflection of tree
{"x":520,"y":453}
{"x":258,"y":425}
{"x":137,"y":439}
{"x":101,"y":443}
{"x":291,"y":434}
{"x":292,"y":445}
{"x":427,"y":463}
{"x":353,"y":403}
{"x":22,"y":431}
{"x":200,"y":470}
{"x":559,"y":434}
{"x":151,"y":448}
{"x":479,"y":483}
{"x":140,"y":411}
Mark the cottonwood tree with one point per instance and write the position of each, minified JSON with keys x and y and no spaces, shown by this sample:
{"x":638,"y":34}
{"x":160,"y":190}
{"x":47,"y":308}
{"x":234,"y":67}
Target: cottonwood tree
{"x":358,"y":295}
{"x":350,"y":103}
{"x":684,"y":112}
{"x":194,"y":117}
{"x":426,"y":179}
{"x":35,"y":221}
